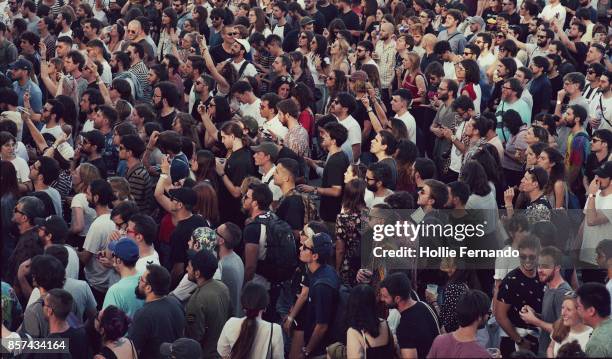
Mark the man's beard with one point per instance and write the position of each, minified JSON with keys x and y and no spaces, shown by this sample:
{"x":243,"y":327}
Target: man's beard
{"x":570,"y":124}
{"x":393,"y":305}
{"x":139,"y":294}
{"x":443,"y":97}
{"x":114,"y":68}
{"x":158,"y":105}
{"x":372,"y":188}
{"x":549,"y":278}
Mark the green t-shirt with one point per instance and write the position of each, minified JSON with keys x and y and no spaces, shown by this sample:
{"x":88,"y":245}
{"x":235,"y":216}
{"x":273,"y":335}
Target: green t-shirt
{"x":600,"y":346}
{"x":122,"y":295}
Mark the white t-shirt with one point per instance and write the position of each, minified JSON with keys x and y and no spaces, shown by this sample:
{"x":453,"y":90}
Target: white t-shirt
{"x":72,"y":268}
{"x":275,"y":127}
{"x":56,"y":199}
{"x":22,"y":151}
{"x":143,"y":262}
{"x":410,"y":123}
{"x":456,"y":158}
{"x":602,"y":111}
{"x":503,"y":265}
{"x":253,"y":110}
{"x":268,"y":178}
{"x":88,"y":126}
{"x":595,"y":234}
{"x":372,"y":200}
{"x":56,"y":131}
{"x":22,"y":169}
{"x":354,"y":130}
{"x":100,"y":277}
{"x":582,"y":338}
{"x":89,"y":214}
{"x":554,"y":12}
{"x":261,"y":343}
{"x":107,"y":73}
{"x":485,"y":61}
{"x":249,"y":70}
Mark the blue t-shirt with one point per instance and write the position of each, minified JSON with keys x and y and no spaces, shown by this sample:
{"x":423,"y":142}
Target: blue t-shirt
{"x":322,"y":300}
{"x":35,"y":95}
{"x":122,"y":295}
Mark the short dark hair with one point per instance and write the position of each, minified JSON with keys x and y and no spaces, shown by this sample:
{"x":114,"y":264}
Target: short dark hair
{"x":125,"y":210}
{"x":389,"y":140}
{"x":439,"y":192}
{"x":472,"y":305}
{"x":103,"y":190}
{"x":575,"y":78}
{"x":291,"y":165}
{"x":405,"y":95}
{"x":425,"y":167}
{"x":273,"y":100}
{"x":139,"y":49}
{"x":347,"y":101}
{"x":109,"y":113}
{"x":367,"y":45}
{"x":530,"y":242}
{"x":206,"y":267}
{"x":159,"y":279}
{"x":93,"y":23}
{"x":486,"y":38}
{"x":515,"y":85}
{"x":235,"y":235}
{"x":605,"y":247}
{"x":61,"y":302}
{"x":241,"y":87}
{"x":58,"y":251}
{"x":262,"y":195}
{"x":553,"y":252}
{"x":134,"y":144}
{"x":48,"y":272}
{"x":398,"y":285}
{"x":381,"y":172}
{"x":336,"y":132}
{"x":77,"y":58}
{"x":460,"y":190}
{"x":169,"y":92}
{"x":463,"y":102}
{"x":289,"y":107}
{"x":442,"y":47}
{"x":49,"y":168}
{"x":146,"y":226}
{"x":540,"y":175}
{"x":595,"y":295}
{"x":541,"y":61}
{"x":579,"y":112}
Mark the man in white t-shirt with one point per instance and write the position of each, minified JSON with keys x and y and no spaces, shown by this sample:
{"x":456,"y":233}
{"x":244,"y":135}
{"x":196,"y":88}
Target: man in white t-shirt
{"x":598,"y":216}
{"x":249,"y":103}
{"x":400,"y":103}
{"x":53,"y":110}
{"x":268,"y":111}
{"x":601,"y":106}
{"x":239,"y":50}
{"x":143,"y":230}
{"x":265,"y":156}
{"x":44,"y":172}
{"x":342,"y":106}
{"x":486,"y":58}
{"x":54,"y":230}
{"x":464,"y":107}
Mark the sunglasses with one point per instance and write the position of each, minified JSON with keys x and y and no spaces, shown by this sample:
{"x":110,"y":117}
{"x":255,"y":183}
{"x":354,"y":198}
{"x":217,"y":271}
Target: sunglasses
{"x":530,"y":258}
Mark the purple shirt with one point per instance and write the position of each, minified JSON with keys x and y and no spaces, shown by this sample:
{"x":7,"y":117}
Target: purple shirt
{"x":446,"y":346}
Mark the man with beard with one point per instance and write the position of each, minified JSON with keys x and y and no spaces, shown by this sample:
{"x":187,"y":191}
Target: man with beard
{"x":43,"y":173}
{"x":451,"y":34}
{"x":180,"y":6}
{"x":92,"y":147}
{"x":56,"y":307}
{"x":378,"y":177}
{"x":578,"y":148}
{"x":20,"y":72}
{"x":104,"y":121}
{"x":549,"y":273}
{"x":572,"y":40}
{"x":8,"y":50}
{"x":124,"y":254}
{"x":137,"y":67}
{"x":472,"y":313}
{"x":279,"y":12}
{"x":243,"y":67}
{"x":385,"y":57}
{"x":418,"y":326}
{"x":209,"y":307}
{"x":63,"y":23}
{"x":540,"y":48}
{"x":26,"y":210}
{"x":216,"y":17}
{"x":63,"y":45}
{"x":601,"y":106}
{"x":161,"y":319}
{"x":182,"y":202}
{"x":136,"y":35}
{"x":445,"y":118}
{"x":201,"y":86}
{"x":99,"y":197}
{"x":165,"y":98}
{"x":520,"y":287}
{"x":74,"y":85}
{"x":51,"y":115}
{"x":310,"y":6}
{"x":364,"y":55}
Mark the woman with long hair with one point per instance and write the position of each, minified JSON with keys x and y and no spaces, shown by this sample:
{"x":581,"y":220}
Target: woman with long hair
{"x":257,"y":21}
{"x":368,"y":336}
{"x":282,"y":86}
{"x":406,"y":154}
{"x":468,"y":71}
{"x":112,"y":325}
{"x":512,"y":162}
{"x":552,"y":161}
{"x":568,"y":327}
{"x":413,"y":80}
{"x":203,"y":168}
{"x":304,"y":39}
{"x":199,"y":14}
{"x":302,"y":95}
{"x":338,"y":55}
{"x":207,"y":204}
{"x":335,"y":83}
{"x":300,"y":71}
{"x":333,"y":28}
{"x":536,"y":134}
{"x":82,"y":214}
{"x":489,"y":159}
{"x":251,"y":336}
{"x":185,"y":125}
{"x":217,"y":111}
{"x":317,"y":62}
{"x":168,"y":38}
{"x":349,"y":223}
{"x":115,"y":37}
{"x":369,"y":15}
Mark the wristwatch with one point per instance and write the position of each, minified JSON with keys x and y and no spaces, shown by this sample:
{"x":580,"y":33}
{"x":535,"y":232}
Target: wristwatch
{"x":305,"y":352}
{"x":520,"y":341}
{"x":453,"y":138}
{"x":316,"y":190}
{"x":591,"y":195}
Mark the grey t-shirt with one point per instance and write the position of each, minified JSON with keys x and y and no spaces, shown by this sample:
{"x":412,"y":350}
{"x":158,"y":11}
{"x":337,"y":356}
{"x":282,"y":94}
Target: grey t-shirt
{"x":34,"y":322}
{"x":98,"y":276}
{"x":232,"y":275}
{"x":551,"y":310}
{"x":81,"y":293}
{"x":56,"y":198}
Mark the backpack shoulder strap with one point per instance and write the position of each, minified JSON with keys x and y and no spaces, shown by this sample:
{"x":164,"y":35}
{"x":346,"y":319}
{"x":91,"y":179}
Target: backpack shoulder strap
{"x":242,"y":68}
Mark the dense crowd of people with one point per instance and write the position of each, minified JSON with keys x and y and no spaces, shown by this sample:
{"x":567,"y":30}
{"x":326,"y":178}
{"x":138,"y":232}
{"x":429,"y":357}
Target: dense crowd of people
{"x":190,"y":178}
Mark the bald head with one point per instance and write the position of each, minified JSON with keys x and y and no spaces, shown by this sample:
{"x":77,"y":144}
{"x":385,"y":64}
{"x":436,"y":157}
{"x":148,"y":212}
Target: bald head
{"x":386,"y":31}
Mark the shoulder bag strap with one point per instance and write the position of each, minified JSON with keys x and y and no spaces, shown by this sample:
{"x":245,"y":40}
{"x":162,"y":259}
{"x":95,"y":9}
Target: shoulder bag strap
{"x":602,"y":111}
{"x":269,"y":354}
{"x":134,"y":352}
{"x":367,"y":345}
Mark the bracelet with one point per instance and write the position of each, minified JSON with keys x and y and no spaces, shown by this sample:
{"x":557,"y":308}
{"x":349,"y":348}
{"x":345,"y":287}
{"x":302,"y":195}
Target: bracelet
{"x":222,"y":175}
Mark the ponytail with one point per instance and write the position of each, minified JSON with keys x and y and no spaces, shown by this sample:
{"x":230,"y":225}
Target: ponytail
{"x":254,"y":299}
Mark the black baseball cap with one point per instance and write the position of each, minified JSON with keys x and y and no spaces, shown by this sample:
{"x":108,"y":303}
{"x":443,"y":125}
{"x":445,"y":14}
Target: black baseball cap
{"x":182,"y":348}
{"x":184,"y":195}
{"x":605,"y":170}
{"x":54,"y":225}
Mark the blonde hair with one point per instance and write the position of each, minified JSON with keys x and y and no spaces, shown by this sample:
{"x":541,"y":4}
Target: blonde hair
{"x":121,"y":188}
{"x":414,"y":59}
{"x":428,"y":40}
{"x":342,"y":54}
{"x":88,"y":174}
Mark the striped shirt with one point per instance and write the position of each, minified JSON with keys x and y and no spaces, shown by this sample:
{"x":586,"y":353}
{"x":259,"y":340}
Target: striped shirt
{"x":140,"y":70}
{"x":140,"y":187}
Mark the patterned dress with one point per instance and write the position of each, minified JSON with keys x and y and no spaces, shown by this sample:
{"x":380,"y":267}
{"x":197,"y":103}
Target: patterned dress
{"x":349,"y":227}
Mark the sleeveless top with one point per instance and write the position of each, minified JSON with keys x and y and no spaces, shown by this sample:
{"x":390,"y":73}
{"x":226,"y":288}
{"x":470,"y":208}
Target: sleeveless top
{"x":410,"y":85}
{"x":383,"y":351}
{"x":109,"y":354}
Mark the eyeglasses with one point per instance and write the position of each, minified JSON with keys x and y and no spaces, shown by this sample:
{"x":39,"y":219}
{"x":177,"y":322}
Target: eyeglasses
{"x":18,"y":211}
{"x":232,"y":33}
{"x":595,"y":140}
{"x":424,"y":16}
{"x":590,"y":72}
{"x":216,"y":18}
{"x":507,"y":88}
{"x":530,"y":258}
{"x":131,"y":31}
{"x":306,"y":248}
{"x":465,"y":53}
{"x":368,"y":179}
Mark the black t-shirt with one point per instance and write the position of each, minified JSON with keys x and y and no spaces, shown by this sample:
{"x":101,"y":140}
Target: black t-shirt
{"x":591,"y":165}
{"x":417,"y":329}
{"x":361,"y":116}
{"x":518,"y":290}
{"x":181,"y":235}
{"x":333,"y":175}
{"x":238,"y":166}
{"x":351,"y":20}
{"x":319,"y":22}
{"x":166,"y":121}
{"x":77,"y":343}
{"x":291,"y":210}
{"x":580,"y":55}
{"x":159,"y":321}
{"x":219,"y":54}
{"x":515,"y":19}
{"x":330,"y":12}
{"x":101,"y":166}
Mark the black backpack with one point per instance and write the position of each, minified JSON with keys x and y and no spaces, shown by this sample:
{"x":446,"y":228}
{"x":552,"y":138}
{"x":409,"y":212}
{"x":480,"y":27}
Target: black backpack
{"x":281,"y":252}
